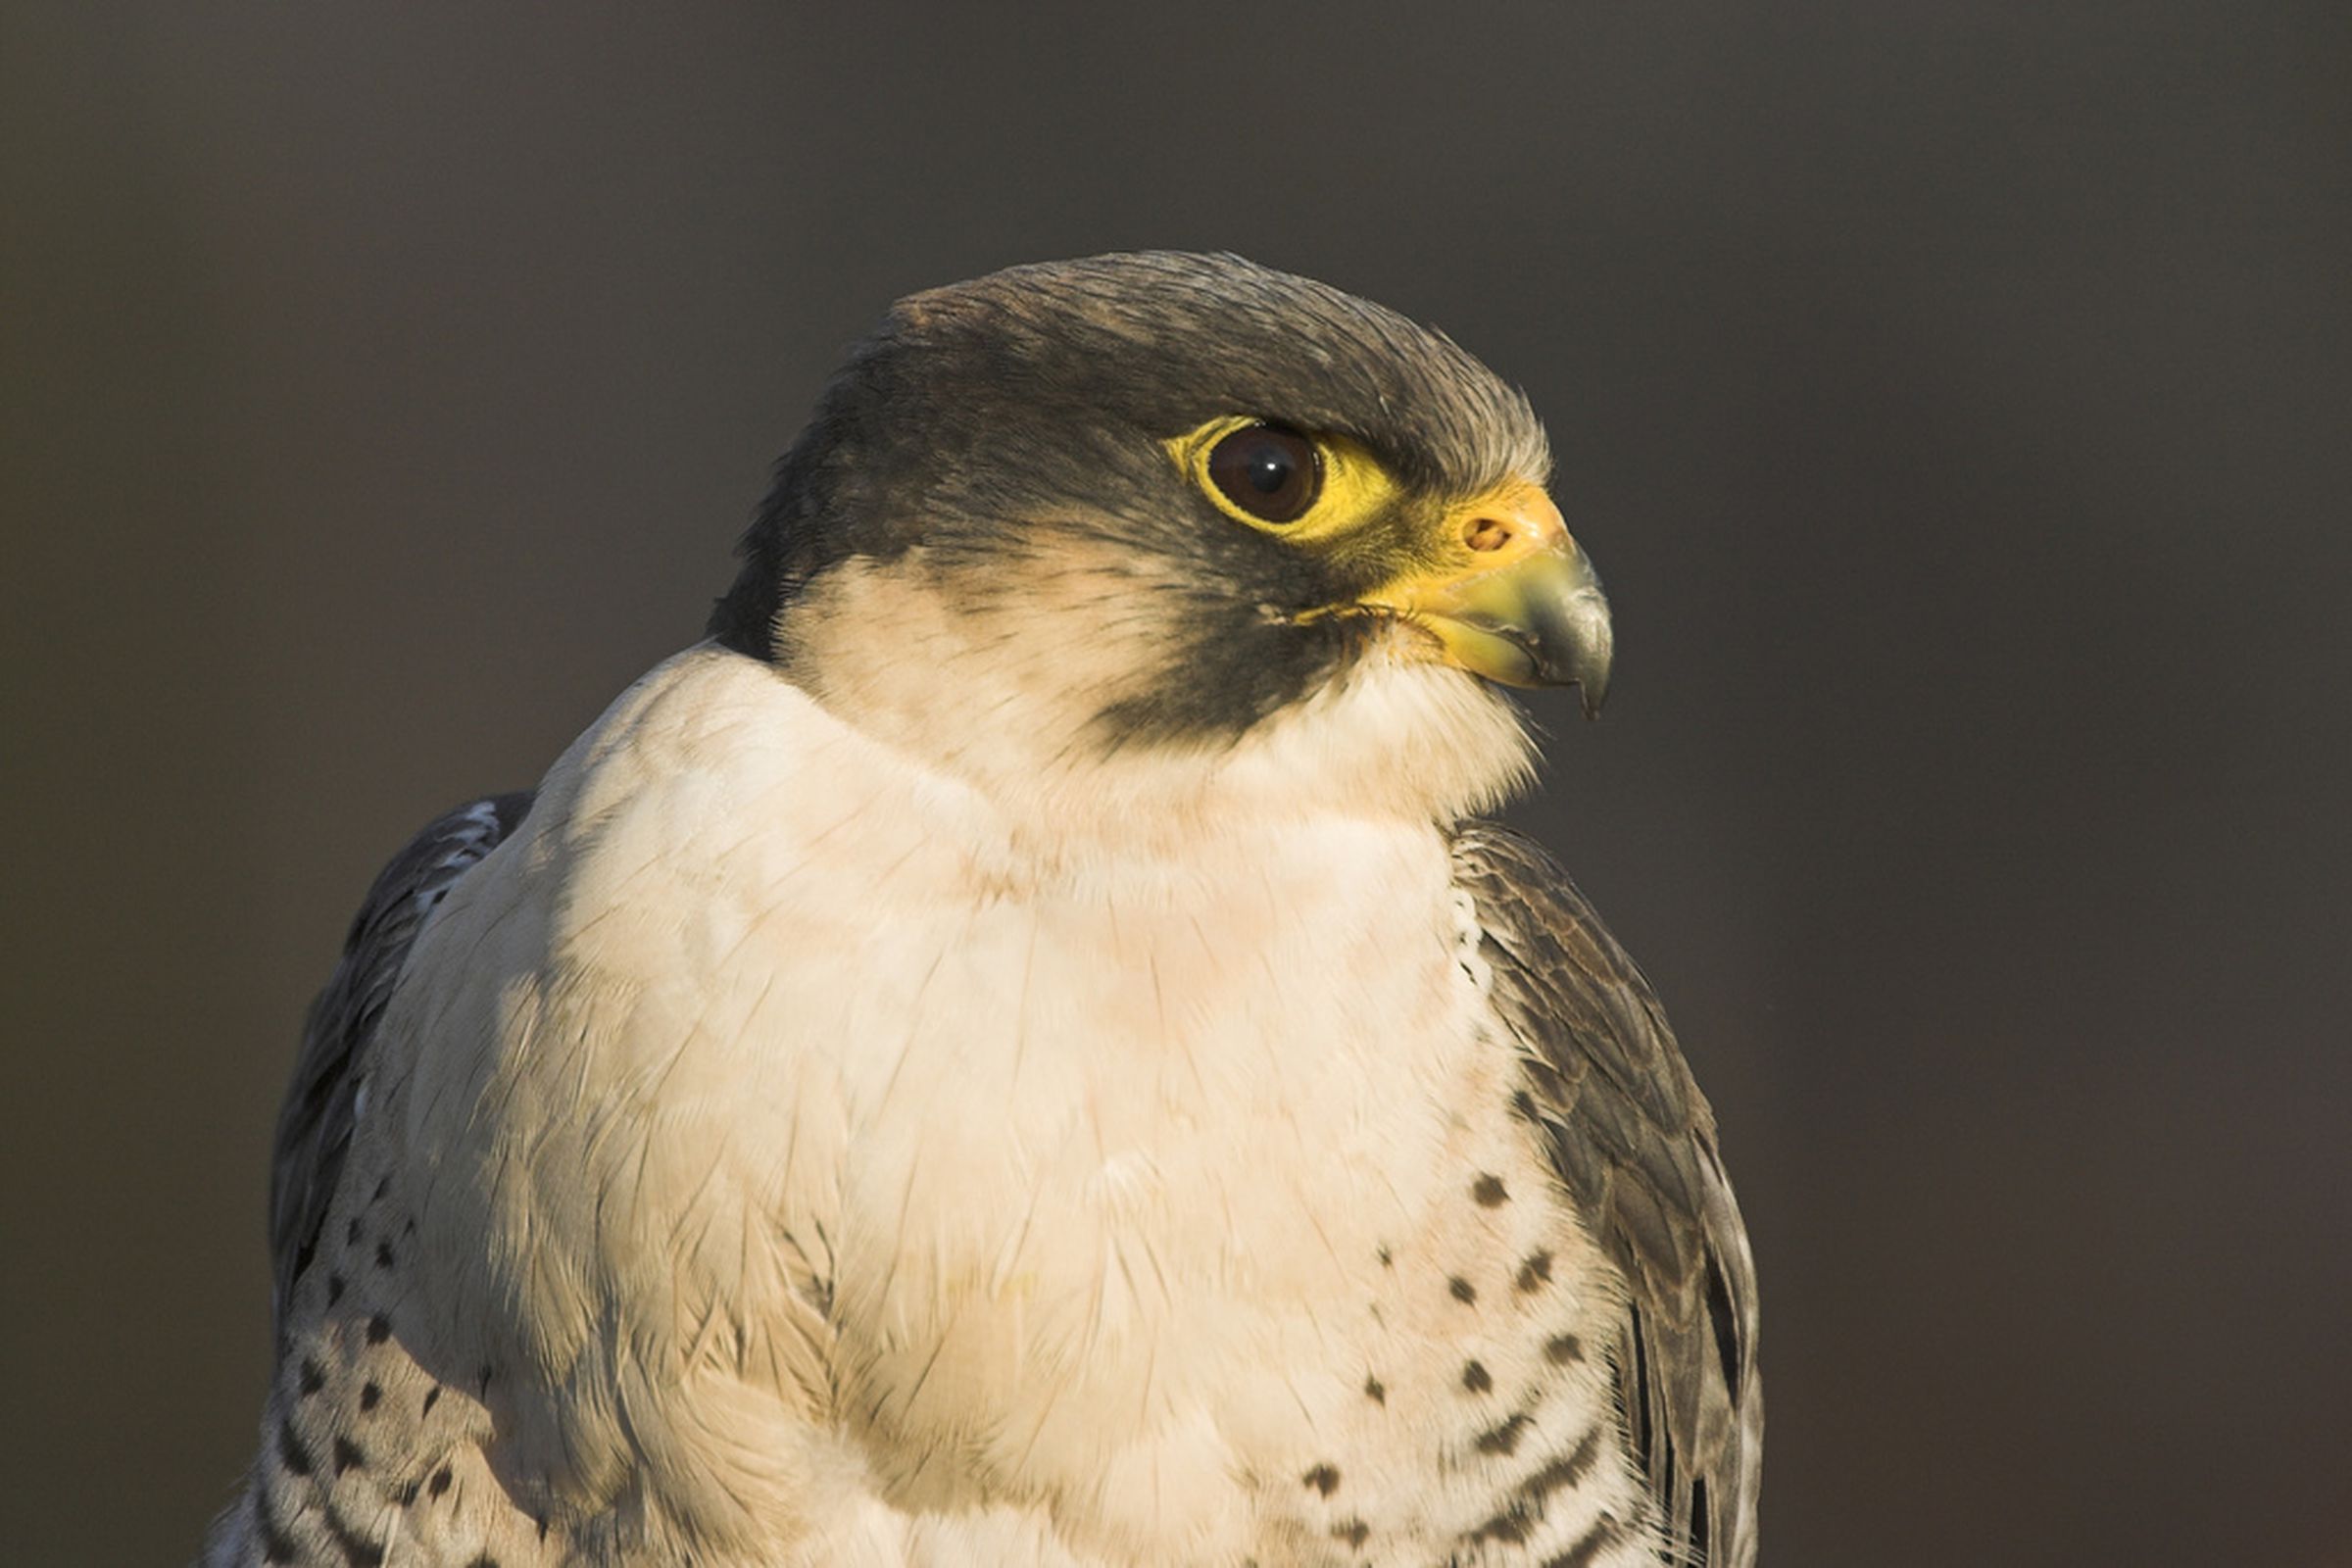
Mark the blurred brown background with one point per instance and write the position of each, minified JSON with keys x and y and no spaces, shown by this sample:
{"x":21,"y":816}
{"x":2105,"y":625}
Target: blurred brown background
{"x":1955,"y":396}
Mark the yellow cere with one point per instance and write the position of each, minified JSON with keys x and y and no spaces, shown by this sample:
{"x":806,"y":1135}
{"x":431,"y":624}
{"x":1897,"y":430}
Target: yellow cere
{"x":1356,"y":487}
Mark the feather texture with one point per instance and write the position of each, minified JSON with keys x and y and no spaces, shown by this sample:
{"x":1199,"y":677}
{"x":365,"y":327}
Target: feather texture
{"x":1633,"y":1141}
{"x":330,"y":1075}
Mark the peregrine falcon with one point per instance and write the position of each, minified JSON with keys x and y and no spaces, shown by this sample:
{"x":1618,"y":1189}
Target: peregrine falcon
{"x":1017,"y":1050}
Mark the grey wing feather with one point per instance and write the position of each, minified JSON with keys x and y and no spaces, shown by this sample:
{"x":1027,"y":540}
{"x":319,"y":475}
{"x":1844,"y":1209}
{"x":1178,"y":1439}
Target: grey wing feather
{"x":1632,"y":1142}
{"x":315,"y":1124}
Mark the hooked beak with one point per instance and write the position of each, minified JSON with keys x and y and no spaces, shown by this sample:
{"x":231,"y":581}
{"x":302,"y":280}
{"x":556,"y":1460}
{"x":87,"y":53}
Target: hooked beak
{"x":1510,"y":595}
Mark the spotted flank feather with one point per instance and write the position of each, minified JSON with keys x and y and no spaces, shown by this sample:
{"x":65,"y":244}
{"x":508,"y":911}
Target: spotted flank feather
{"x":1633,"y":1141}
{"x":330,"y":1077}
{"x":364,"y":1454}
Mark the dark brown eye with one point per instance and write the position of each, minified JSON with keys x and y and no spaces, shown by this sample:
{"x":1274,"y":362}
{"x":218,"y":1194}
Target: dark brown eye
{"x":1270,"y":472}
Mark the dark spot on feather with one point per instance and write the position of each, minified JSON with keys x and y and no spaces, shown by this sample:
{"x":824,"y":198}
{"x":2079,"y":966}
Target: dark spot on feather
{"x":1603,"y":1535}
{"x":334,"y":1289}
{"x":1461,"y":1290}
{"x":1386,"y":1258}
{"x":370,"y":1394}
{"x":382,"y":1186}
{"x":1490,"y":1192}
{"x":310,"y":1379}
{"x":432,"y":1397}
{"x":1476,"y":1378}
{"x":290,"y":1452}
{"x":1504,"y":1439}
{"x":1562,"y":1348}
{"x":380,"y":1329}
{"x":350,"y":1233}
{"x":348,"y":1456}
{"x":357,"y":1551}
{"x":302,"y":1258}
{"x":1353,"y":1531}
{"x":1376,"y":1390}
{"x":1702,"y":1521}
{"x":1535,"y":1270}
{"x":440,"y":1482}
{"x":485,"y":1560}
{"x":409,"y":1225}
{"x":1525,"y":1105}
{"x":482,"y":1380}
{"x":383,"y":1254}
{"x":276,"y":1546}
{"x":1323,"y":1477}
{"x":406,"y":1493}
{"x":1510,"y":1527}
{"x":1565,"y":1471}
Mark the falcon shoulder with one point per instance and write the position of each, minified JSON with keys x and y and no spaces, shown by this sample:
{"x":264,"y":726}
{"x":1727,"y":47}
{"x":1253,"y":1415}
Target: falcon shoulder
{"x":1632,"y":1142}
{"x":338,"y":1038}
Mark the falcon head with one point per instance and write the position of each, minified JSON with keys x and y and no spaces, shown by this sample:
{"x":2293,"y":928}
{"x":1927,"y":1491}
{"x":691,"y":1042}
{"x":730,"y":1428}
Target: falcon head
{"x":1173,"y":525}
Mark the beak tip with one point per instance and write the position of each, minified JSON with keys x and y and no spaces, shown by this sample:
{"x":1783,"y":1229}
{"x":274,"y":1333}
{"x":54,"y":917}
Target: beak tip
{"x":1589,"y":648}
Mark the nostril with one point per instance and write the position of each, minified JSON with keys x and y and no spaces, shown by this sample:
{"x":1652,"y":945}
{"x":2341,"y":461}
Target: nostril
{"x":1486,"y":533}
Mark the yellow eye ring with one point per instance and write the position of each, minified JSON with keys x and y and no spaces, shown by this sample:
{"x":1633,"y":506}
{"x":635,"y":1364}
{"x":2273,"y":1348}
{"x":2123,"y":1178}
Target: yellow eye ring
{"x":1282,"y":480}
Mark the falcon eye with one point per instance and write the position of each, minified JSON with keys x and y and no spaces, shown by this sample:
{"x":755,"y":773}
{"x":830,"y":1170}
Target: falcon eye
{"x":1269,"y":472}
{"x":1277,"y":479}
